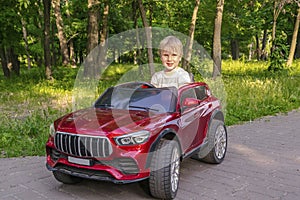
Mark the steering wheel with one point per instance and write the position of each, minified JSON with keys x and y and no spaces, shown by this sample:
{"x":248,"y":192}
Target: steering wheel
{"x":146,"y":85}
{"x":136,"y":84}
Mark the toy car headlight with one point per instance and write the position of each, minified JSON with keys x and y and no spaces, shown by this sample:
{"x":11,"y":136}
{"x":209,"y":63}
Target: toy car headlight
{"x":52,"y":130}
{"x":133,"y":138}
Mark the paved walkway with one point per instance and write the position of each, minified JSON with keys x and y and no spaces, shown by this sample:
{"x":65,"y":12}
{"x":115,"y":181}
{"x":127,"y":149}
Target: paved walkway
{"x":262,"y":163}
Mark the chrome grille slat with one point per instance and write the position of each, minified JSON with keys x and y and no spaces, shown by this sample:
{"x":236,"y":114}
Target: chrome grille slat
{"x":85,"y":144}
{"x":69,"y":142}
{"x":103,"y":148}
{"x":78,"y":147}
{"x":82,"y":145}
{"x":91,"y":148}
{"x":98,"y":147}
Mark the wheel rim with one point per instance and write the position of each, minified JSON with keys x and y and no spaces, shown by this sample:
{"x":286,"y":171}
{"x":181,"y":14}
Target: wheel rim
{"x":175,"y":165}
{"x":220,"y":142}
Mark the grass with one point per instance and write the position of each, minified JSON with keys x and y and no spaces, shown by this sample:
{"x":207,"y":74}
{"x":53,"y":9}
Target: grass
{"x":29,"y":103}
{"x":254,"y":92}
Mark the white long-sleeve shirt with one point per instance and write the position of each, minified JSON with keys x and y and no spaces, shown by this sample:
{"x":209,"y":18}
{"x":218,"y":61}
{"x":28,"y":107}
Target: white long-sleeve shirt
{"x":176,"y":77}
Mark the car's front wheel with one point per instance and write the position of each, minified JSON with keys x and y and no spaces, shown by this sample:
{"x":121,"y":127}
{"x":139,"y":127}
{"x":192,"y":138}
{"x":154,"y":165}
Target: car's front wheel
{"x":65,"y":178}
{"x":165,"y":166}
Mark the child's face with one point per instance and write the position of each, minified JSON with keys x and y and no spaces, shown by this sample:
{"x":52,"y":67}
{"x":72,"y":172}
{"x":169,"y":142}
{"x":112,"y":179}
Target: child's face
{"x":170,"y":60}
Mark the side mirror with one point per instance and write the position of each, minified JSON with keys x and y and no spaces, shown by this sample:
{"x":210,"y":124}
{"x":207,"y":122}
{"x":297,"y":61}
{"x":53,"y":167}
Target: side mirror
{"x":191,"y":102}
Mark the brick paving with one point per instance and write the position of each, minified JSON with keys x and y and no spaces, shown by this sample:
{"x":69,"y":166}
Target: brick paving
{"x":262,"y":163}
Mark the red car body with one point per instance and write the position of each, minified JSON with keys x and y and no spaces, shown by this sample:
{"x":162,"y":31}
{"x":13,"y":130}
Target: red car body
{"x":92,"y":143}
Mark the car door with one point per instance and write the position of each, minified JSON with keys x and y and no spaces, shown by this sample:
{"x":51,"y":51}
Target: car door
{"x":191,"y":125}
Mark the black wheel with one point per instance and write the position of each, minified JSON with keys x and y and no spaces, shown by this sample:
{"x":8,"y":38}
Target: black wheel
{"x":214,"y":151}
{"x":65,"y":178}
{"x":165,"y":166}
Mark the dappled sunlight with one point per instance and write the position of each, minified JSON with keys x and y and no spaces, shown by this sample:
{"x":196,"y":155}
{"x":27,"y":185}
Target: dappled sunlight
{"x":113,"y":71}
{"x":297,"y":159}
{"x":54,"y":98}
{"x":39,"y":99}
{"x":253,"y":155}
{"x":64,"y":102}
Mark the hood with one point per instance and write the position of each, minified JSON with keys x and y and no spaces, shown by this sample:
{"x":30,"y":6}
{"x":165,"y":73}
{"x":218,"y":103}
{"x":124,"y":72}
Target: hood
{"x":102,"y":121}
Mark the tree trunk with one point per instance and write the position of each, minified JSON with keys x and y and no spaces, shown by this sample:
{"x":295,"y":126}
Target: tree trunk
{"x":90,"y":68}
{"x":277,"y":8}
{"x":263,"y":46}
{"x":297,"y":54}
{"x":294,"y":40}
{"x":138,"y":53}
{"x":54,"y":52}
{"x":257,"y":50}
{"x":24,"y":30}
{"x":93,"y":27}
{"x":148,"y":37}
{"x":70,"y":42}
{"x":189,"y":43}
{"x":5,"y":68}
{"x":273,"y":36}
{"x":72,"y":53}
{"x":217,"y":40}
{"x":61,"y":36}
{"x":47,"y":55}
{"x":103,"y":35}
{"x":235,"y":49}
{"x":13,"y":58}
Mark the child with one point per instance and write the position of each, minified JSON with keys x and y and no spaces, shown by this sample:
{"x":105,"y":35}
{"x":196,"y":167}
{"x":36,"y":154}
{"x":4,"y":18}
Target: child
{"x":170,"y":50}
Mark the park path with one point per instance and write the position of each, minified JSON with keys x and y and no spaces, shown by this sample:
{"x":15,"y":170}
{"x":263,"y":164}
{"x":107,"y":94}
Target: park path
{"x":262,"y":163}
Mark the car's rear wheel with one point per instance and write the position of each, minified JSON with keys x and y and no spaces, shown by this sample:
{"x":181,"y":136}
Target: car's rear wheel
{"x":165,"y":166}
{"x":65,"y":178}
{"x":214,"y":152}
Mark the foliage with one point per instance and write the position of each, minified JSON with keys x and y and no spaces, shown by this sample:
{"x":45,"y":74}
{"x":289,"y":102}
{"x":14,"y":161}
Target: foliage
{"x":243,"y":20}
{"x":279,"y":56}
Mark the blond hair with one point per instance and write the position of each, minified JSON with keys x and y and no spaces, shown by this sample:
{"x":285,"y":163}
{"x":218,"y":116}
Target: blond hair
{"x":171,"y":44}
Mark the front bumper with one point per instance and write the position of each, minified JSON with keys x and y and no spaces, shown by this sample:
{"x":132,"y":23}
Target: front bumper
{"x":120,"y":170}
{"x":90,"y":174}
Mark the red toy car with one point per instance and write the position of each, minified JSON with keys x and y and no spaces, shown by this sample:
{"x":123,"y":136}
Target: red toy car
{"x":137,"y":132}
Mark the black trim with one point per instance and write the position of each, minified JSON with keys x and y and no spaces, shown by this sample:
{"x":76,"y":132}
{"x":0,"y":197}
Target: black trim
{"x":217,"y":114}
{"x":91,"y":174}
{"x":155,"y":143}
{"x":193,"y":151}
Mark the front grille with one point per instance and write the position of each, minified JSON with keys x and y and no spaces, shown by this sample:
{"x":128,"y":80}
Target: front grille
{"x":82,"y":145}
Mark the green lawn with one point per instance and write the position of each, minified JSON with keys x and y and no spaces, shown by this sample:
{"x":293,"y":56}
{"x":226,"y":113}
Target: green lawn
{"x":253,"y":92}
{"x":30,"y":103}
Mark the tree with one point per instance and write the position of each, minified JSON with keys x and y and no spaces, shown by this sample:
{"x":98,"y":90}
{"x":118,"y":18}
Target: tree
{"x":10,"y":37}
{"x":61,"y":35}
{"x":294,"y":39}
{"x":24,"y":30}
{"x":217,"y":39}
{"x":277,"y":8}
{"x":103,"y":34}
{"x":90,"y":69}
{"x":47,"y":56}
{"x":148,"y":37}
{"x":70,"y":41}
{"x":189,"y":43}
{"x":5,"y":68}
{"x":93,"y":24}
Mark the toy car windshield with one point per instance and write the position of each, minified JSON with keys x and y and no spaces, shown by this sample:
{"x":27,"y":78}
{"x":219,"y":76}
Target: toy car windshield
{"x":160,"y":100}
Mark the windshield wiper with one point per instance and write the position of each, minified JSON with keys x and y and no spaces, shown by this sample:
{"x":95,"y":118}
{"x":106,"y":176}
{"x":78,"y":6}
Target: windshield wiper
{"x":144,"y":108}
